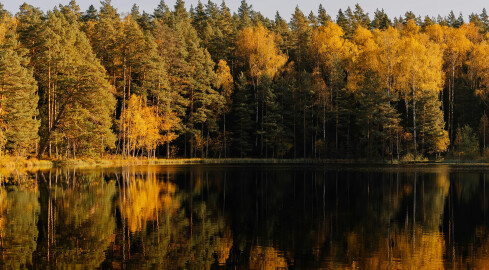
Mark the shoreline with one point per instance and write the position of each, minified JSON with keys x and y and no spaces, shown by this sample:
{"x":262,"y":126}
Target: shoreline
{"x":35,"y":164}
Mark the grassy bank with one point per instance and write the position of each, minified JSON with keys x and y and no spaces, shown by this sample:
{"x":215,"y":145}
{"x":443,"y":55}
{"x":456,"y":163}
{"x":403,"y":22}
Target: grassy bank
{"x":115,"y":162}
{"x":11,"y":163}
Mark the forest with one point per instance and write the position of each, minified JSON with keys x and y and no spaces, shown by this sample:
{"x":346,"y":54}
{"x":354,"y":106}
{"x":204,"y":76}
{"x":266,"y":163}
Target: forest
{"x":212,"y":83}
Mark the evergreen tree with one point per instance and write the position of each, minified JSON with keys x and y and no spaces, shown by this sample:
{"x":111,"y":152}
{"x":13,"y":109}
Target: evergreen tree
{"x":342,"y":21}
{"x":281,"y":28}
{"x":484,"y":130}
{"x":19,"y":129}
{"x":360,"y":18}
{"x":313,"y":20}
{"x":73,"y":88}
{"x":452,"y":20}
{"x":376,"y":118}
{"x":323,"y":17}
{"x":430,"y":122}
{"x":411,"y":16}
{"x":300,"y":35}
{"x":381,"y":20}
{"x":485,"y":20}
{"x":3,"y":13}
{"x":466,"y":142}
{"x":199,"y":19}
{"x":90,"y":14}
{"x":245,"y":13}
{"x":427,"y":22}
{"x":242,"y":112}
{"x":162,"y":13}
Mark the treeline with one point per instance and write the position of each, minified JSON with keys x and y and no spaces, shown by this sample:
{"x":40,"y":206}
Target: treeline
{"x":211,"y":83}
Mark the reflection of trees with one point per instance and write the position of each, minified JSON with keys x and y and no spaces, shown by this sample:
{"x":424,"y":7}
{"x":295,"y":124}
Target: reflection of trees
{"x":76,"y":219}
{"x":224,"y":246}
{"x":467,"y":221}
{"x":266,"y":258}
{"x":332,"y":219}
{"x":165,"y":227}
{"x":404,"y":249}
{"x":408,"y":236}
{"x":142,"y":200}
{"x":19,"y":210}
{"x":200,"y":218}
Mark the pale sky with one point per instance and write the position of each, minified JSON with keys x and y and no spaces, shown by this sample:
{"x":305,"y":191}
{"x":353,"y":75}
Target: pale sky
{"x":393,"y":8}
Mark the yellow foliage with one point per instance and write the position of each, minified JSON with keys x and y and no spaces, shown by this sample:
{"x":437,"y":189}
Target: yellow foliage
{"x":472,"y":32}
{"x":328,"y":44}
{"x":388,"y":43}
{"x":224,"y":79}
{"x":457,"y":47}
{"x":143,"y":200}
{"x":265,"y":258}
{"x":224,"y":247}
{"x":141,"y":125}
{"x":257,"y":47}
{"x":403,"y":250}
{"x":420,"y":64}
{"x":365,"y":58}
{"x":443,"y":142}
{"x":6,"y":24}
{"x":479,"y":67}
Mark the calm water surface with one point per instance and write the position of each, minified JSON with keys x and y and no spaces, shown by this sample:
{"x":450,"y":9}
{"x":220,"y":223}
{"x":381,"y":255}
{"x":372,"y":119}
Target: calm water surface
{"x":246,"y":217}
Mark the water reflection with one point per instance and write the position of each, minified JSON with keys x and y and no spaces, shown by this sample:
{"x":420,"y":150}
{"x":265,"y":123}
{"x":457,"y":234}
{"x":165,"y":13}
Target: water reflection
{"x":19,"y":211}
{"x":277,"y":217}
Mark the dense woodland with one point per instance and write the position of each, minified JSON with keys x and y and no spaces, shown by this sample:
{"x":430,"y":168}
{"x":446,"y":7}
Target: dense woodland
{"x":207,"y":82}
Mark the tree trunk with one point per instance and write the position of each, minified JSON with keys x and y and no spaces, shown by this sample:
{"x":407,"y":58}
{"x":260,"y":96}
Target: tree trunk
{"x":414,"y":119}
{"x":225,"y":145}
{"x":168,"y":150}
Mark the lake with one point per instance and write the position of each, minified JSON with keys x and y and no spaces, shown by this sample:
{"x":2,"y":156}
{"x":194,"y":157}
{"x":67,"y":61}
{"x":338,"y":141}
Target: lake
{"x":246,"y":217}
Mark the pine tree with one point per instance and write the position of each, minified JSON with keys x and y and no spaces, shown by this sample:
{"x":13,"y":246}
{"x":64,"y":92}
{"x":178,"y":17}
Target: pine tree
{"x":3,"y":13}
{"x":376,"y":118}
{"x":430,"y":122}
{"x":323,"y":17}
{"x":485,"y":20}
{"x":381,"y":20}
{"x":18,"y":89}
{"x":162,"y":13}
{"x":300,"y":35}
{"x":245,"y":13}
{"x":484,"y":130}
{"x":242,"y":112}
{"x":281,"y":28}
{"x":73,"y":88}
{"x":90,"y":14}
{"x":225,"y":84}
{"x":411,"y":16}
{"x":342,"y":21}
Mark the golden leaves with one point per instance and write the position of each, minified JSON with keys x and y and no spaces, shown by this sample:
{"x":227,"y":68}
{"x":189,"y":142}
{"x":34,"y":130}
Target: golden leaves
{"x":144,"y":199}
{"x":479,"y":68}
{"x":224,"y":79}
{"x":141,"y":125}
{"x":327,"y":43}
{"x":266,"y":258}
{"x":257,"y":47}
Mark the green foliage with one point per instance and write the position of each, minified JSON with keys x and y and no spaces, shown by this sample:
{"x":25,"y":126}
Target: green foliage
{"x":430,"y":121}
{"x":20,"y":209}
{"x":466,"y":142}
{"x":242,"y":112}
{"x":18,"y":90}
{"x":313,"y":87}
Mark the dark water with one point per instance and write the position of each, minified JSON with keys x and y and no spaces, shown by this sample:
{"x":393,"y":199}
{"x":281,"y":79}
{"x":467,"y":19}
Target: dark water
{"x":246,"y":217}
